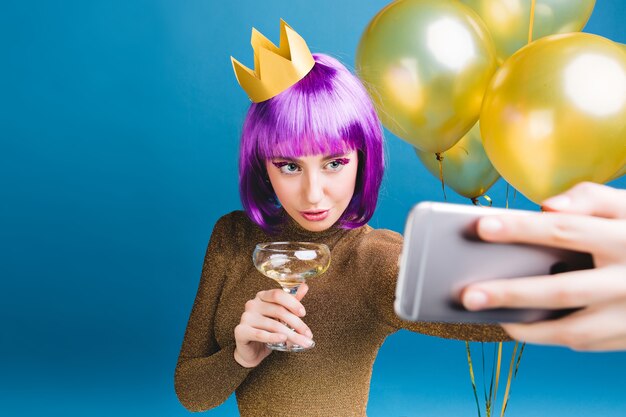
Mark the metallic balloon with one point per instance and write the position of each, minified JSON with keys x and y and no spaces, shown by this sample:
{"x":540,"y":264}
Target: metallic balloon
{"x":618,"y":174}
{"x":466,"y":168}
{"x":555,"y":114}
{"x":426,"y":64}
{"x":508,"y":20}
{"x":622,"y":171}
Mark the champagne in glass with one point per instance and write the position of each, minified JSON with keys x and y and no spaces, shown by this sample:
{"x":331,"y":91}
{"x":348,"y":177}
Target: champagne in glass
{"x":291,"y":264}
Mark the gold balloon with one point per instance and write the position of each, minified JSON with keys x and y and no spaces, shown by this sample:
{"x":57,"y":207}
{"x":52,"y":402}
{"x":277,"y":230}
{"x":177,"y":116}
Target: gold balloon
{"x":618,"y":173}
{"x":426,"y":64}
{"x":622,"y":171}
{"x":555,"y":114}
{"x":509,"y":20}
{"x":466,"y":168}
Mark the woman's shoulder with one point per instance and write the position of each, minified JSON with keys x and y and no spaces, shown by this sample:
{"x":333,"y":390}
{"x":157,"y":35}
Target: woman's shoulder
{"x":236,"y":218}
{"x":379,"y":244}
{"x":375,"y":258}
{"x":235,"y":225}
{"x":380,"y":237}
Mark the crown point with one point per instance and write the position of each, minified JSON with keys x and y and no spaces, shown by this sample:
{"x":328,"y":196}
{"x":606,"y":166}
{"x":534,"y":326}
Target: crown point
{"x":275,"y":68}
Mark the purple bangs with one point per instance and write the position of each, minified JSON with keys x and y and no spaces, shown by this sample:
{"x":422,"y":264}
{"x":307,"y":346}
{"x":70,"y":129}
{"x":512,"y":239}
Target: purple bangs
{"x":327,"y":112}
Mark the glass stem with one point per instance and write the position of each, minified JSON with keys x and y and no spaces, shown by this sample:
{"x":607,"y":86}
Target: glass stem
{"x":291,"y":290}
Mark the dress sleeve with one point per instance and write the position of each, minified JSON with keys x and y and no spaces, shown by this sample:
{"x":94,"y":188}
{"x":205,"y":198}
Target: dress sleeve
{"x":386,"y":248}
{"x":207,"y":373}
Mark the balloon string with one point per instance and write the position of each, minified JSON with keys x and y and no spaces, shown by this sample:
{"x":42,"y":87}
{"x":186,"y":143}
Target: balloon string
{"x":507,"y":195}
{"x":440,"y":160}
{"x":532,"y":20}
{"x":487,"y":403}
{"x":476,"y":201}
{"x":498,"y":364}
{"x":508,"y":381}
{"x":471,"y":371}
{"x":519,"y":358}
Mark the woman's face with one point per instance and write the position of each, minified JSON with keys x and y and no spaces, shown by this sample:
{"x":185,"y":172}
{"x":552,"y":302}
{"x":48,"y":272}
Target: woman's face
{"x":314,"y":190}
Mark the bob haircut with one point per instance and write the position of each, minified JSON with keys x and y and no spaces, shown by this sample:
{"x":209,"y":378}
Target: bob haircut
{"x":326,"y":112}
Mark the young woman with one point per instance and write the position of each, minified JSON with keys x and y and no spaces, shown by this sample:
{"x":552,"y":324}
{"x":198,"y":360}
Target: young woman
{"x":311,"y":164}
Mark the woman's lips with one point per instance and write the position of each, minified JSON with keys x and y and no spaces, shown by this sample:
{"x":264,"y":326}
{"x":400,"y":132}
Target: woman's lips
{"x":315,"y":216}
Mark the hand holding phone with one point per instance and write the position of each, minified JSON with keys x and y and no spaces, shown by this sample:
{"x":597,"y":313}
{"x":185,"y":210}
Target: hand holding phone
{"x":442,"y":254}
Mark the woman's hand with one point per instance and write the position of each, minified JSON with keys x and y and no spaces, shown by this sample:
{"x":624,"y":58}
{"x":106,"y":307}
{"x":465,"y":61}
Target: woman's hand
{"x":588,"y":218}
{"x":261,"y":323}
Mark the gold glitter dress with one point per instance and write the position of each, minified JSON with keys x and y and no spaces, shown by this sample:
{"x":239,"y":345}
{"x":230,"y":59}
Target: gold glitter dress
{"x":349,"y":310}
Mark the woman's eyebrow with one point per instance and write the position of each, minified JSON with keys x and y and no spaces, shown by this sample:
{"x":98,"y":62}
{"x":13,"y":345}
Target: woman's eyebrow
{"x":286,"y":158}
{"x":338,"y":155}
{"x":296,"y":160}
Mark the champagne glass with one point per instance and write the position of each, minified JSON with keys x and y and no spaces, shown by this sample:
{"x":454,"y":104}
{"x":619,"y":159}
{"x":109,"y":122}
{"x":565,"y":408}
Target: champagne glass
{"x":291,"y":264}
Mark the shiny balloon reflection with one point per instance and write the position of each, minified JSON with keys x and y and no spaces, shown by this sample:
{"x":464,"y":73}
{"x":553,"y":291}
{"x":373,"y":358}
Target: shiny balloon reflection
{"x":603,"y":94}
{"x":555,"y":114}
{"x":508,"y":21}
{"x":426,"y":64}
{"x":450,"y":43}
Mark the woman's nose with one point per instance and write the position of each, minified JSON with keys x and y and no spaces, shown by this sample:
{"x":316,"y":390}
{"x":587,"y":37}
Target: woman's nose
{"x":314,"y":188}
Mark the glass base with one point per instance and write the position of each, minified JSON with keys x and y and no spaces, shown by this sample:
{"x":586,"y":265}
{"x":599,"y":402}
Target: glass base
{"x":288,"y":347}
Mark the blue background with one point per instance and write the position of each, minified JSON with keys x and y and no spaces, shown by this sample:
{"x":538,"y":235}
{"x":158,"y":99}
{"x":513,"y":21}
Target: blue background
{"x":119,"y":123}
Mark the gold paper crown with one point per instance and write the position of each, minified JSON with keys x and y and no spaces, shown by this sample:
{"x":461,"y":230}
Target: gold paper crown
{"x":275,"y":69}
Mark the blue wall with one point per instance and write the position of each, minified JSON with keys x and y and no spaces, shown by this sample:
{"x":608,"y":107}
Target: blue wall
{"x":119,"y":123}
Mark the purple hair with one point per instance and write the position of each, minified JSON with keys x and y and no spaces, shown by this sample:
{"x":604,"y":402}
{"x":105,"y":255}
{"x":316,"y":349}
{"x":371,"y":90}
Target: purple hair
{"x":326,"y":112}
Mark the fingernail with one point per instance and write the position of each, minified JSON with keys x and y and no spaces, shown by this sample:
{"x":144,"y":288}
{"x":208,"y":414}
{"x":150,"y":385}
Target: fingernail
{"x":309,"y":334}
{"x":490,"y":226}
{"x":560,"y":202}
{"x":475,"y":300}
{"x":310,"y":343}
{"x":302,"y":311}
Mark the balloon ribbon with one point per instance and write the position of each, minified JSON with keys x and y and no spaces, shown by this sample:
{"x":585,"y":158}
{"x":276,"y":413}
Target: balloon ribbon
{"x":471,"y":370}
{"x":476,"y":201}
{"x":532,"y":20}
{"x":490,"y":399}
{"x":439,"y":157}
{"x":489,"y":402}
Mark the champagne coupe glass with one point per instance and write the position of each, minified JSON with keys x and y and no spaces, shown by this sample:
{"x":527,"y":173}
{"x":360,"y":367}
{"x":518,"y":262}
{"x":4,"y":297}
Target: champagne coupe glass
{"x":290,"y":264}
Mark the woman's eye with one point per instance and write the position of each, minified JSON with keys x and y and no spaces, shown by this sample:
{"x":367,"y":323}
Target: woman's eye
{"x":288,"y":168}
{"x":336,"y":165}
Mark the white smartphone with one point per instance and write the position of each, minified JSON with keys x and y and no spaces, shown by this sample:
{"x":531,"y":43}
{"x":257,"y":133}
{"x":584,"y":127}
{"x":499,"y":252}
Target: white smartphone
{"x":442,"y":254}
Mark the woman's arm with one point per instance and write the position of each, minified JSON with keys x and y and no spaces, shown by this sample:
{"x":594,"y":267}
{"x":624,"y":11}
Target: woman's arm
{"x":385,"y":248}
{"x":589,"y":218}
{"x":206,"y":373}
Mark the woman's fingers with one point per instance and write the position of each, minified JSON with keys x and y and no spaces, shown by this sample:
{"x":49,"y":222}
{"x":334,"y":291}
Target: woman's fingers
{"x":612,"y":344}
{"x":281,"y":306}
{"x":288,"y":301}
{"x":587,"y":218}
{"x":592,"y":329}
{"x":265,"y":320}
{"x":569,"y":290}
{"x":258,"y":328}
{"x":302,"y":291}
{"x":246,"y":334}
{"x":590,"y":199}
{"x":278,"y":312}
{"x":606,"y":238}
